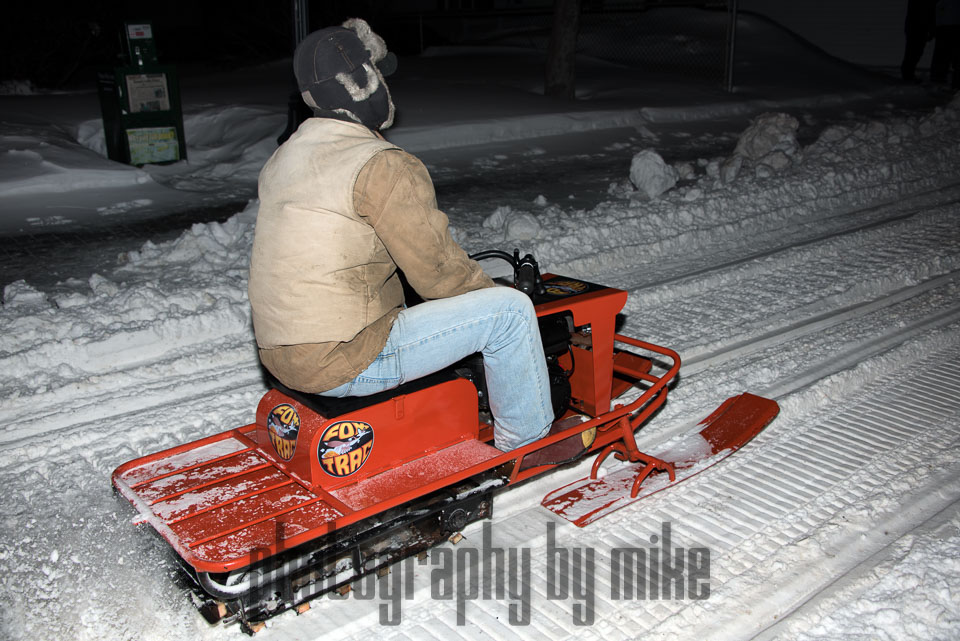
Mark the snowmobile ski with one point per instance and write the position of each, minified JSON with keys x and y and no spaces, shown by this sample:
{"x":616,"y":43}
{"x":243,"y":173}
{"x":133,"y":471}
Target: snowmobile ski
{"x":729,"y":428}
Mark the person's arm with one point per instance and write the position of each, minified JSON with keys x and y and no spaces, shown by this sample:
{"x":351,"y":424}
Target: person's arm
{"x":395,"y":194}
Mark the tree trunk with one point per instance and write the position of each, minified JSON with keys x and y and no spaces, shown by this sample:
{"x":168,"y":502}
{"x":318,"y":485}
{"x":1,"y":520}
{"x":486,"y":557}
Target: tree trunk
{"x":561,"y":52}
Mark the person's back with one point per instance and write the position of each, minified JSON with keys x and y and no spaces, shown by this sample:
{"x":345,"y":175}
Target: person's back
{"x":301,"y":294}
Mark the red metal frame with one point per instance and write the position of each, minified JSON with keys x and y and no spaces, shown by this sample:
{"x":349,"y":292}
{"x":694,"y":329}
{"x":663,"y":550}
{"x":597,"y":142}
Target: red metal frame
{"x":227,"y":501}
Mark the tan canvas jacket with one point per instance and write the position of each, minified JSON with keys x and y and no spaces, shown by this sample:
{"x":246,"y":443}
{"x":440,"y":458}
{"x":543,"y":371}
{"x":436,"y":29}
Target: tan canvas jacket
{"x":340,"y":211}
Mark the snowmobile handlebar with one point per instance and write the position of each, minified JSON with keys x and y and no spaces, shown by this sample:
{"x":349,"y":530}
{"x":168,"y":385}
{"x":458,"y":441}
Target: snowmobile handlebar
{"x":526,"y":271}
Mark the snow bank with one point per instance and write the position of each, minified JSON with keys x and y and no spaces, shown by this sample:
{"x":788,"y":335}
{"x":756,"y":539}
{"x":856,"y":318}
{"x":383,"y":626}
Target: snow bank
{"x":161,"y":309}
{"x":845,"y":168}
{"x":41,"y":159}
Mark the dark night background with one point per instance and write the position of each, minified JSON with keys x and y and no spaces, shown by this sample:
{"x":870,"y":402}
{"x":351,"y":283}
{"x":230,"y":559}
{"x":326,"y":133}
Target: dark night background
{"x":58,"y":45}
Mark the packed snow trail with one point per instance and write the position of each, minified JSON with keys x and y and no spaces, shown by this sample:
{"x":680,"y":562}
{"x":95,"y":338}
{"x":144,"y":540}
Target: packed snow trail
{"x":809,"y":500}
{"x":830,"y":284}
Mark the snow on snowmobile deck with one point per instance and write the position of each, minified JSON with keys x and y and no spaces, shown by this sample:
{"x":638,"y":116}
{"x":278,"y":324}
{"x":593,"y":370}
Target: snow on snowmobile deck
{"x":319,"y":492}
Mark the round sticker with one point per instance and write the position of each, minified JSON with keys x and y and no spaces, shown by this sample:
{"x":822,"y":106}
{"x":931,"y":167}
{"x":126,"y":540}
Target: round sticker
{"x":344,"y":447}
{"x":283,"y":425}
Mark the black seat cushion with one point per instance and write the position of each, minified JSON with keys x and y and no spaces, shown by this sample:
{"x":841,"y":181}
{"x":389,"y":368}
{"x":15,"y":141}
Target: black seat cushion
{"x":331,"y":407}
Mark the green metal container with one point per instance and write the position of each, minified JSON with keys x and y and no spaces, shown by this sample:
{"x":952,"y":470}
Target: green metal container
{"x":140,"y":102}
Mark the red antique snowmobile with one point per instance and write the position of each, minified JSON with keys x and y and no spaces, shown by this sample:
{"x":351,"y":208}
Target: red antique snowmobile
{"x":319,"y":492}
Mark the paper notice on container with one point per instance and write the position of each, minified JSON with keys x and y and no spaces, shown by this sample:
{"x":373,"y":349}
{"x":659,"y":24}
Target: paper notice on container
{"x":148,"y":92}
{"x":139,"y":31}
{"x":153,"y":145}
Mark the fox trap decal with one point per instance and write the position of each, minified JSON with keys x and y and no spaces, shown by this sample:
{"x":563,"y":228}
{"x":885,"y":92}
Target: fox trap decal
{"x":344,"y":447}
{"x":283,"y":425}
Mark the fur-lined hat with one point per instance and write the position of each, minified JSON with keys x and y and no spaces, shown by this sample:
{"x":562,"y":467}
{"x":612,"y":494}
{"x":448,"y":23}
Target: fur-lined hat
{"x":340,"y":73}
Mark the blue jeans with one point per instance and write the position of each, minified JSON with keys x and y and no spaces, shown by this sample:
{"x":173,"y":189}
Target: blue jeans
{"x":498,"y":322}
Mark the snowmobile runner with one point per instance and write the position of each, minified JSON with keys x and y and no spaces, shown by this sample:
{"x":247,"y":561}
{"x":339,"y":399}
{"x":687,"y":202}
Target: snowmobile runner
{"x":319,"y":492}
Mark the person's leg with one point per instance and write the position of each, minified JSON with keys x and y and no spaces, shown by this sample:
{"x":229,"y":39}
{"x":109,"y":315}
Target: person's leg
{"x":955,"y":55}
{"x":501,"y":324}
{"x":913,"y":51}
{"x":498,"y":322}
{"x":940,"y":63}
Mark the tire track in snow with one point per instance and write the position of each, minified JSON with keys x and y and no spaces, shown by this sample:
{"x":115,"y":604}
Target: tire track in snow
{"x":181,"y":375}
{"x":843,"y":223}
{"x":741,"y":299}
{"x":79,"y":568}
{"x":880,"y":457}
{"x":852,"y":586}
{"x":773,"y":338}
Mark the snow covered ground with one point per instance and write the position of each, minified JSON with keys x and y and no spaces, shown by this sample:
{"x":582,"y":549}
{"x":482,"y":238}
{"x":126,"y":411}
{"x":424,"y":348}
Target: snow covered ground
{"x":818,"y":266}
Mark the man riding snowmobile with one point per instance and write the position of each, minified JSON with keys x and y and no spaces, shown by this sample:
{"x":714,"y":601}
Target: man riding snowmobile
{"x":342,"y":211}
